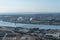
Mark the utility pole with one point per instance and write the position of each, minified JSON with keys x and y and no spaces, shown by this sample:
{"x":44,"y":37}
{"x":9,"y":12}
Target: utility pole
{"x":17,"y":35}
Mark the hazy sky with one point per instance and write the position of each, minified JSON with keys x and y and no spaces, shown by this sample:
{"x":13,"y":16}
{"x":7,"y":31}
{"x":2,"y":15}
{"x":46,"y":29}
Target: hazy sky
{"x":29,"y":5}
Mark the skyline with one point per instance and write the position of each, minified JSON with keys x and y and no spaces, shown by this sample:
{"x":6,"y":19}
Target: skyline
{"x":29,"y":6}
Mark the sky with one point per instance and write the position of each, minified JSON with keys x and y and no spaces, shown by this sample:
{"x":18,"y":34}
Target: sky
{"x":29,"y":5}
